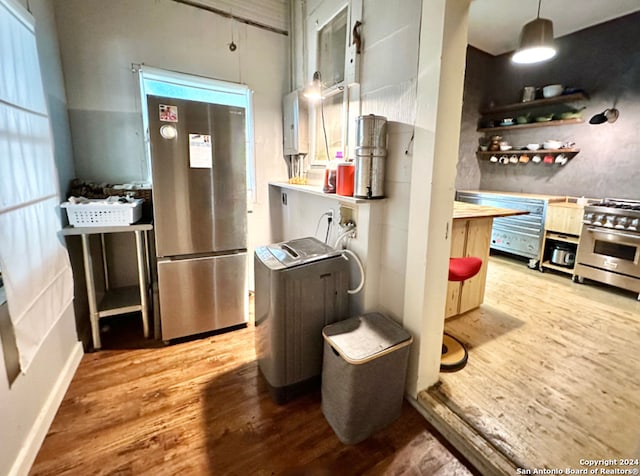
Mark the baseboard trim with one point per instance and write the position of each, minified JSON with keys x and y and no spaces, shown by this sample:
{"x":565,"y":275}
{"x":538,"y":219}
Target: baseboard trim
{"x":27,"y":455}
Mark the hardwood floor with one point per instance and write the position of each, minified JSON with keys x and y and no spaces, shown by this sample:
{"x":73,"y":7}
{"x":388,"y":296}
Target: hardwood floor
{"x":554,"y":369}
{"x":201,"y":408}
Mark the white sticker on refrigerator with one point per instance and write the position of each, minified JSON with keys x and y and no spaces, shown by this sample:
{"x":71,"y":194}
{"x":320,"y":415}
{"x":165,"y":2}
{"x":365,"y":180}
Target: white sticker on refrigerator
{"x":200,"y":156}
{"x":168,"y":113}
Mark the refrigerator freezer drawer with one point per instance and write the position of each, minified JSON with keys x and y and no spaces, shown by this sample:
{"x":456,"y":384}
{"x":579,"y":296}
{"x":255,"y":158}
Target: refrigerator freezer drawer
{"x":202,"y":294}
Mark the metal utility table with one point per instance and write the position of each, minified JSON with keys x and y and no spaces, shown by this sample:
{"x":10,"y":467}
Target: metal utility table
{"x":116,"y":300}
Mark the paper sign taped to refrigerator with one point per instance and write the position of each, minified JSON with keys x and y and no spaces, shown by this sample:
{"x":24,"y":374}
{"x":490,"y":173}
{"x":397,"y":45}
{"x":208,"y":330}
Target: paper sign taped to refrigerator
{"x":168,"y":113}
{"x":200,"y":156}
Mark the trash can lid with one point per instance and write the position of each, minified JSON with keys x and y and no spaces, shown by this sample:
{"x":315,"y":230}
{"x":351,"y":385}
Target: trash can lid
{"x":367,"y":337}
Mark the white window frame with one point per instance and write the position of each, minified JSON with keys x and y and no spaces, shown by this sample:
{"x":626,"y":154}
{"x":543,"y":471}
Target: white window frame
{"x":321,"y":13}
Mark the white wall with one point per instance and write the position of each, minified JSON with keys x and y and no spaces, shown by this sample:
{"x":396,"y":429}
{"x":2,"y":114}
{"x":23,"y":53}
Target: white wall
{"x":99,"y":42}
{"x":412,"y":71}
{"x":50,"y":64}
{"x":391,"y":36}
{"x":302,"y":216}
{"x":28,"y":405}
{"x":443,"y":42}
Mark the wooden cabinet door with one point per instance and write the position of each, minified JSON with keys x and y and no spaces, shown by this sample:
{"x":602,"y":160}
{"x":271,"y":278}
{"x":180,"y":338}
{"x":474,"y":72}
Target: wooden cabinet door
{"x":458,"y":238}
{"x":477,"y":244}
{"x":469,"y":238}
{"x":564,"y":218}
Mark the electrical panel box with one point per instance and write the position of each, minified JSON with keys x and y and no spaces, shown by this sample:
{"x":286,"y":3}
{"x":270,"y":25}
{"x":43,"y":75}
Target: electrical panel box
{"x":295,"y":127}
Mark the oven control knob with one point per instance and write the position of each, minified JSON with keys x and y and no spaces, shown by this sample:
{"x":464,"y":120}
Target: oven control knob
{"x":609,"y":221}
{"x":635,"y":224}
{"x":621,"y":223}
{"x":599,"y":220}
{"x":588,"y":218}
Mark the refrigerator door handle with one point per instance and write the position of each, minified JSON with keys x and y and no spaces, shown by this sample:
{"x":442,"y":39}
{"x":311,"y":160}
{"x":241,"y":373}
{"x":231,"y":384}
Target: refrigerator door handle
{"x":197,"y":257}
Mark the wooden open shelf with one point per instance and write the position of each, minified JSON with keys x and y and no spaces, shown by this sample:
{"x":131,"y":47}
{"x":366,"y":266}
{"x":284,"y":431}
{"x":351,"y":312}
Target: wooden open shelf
{"x":563,"y":98}
{"x":489,"y":153}
{"x":550,"y":265}
{"x":530,"y":125}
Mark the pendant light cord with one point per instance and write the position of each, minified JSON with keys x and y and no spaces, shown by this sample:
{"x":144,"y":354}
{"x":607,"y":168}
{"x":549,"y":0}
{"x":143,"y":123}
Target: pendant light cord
{"x":324,"y":130}
{"x":539,"y":3}
{"x":317,"y":77}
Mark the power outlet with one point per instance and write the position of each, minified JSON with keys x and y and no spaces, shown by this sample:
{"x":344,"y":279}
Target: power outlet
{"x":347,"y":216}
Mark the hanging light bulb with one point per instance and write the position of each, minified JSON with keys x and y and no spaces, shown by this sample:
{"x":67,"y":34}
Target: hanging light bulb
{"x":536,"y":41}
{"x":313,"y":91}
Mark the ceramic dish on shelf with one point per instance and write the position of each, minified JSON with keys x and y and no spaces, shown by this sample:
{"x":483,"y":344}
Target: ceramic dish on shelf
{"x":544,"y":118}
{"x":533,"y":146}
{"x":570,"y":115}
{"x":552,"y":90}
{"x":552,"y":144}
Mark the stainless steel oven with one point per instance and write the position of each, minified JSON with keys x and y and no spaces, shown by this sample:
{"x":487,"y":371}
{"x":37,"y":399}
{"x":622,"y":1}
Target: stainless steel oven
{"x":609,"y":249}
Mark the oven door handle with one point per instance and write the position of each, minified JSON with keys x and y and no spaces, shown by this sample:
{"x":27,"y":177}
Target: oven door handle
{"x":616,"y":233}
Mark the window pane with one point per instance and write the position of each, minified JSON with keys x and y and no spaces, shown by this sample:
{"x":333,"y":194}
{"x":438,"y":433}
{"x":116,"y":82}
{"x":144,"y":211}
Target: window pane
{"x":332,"y":109}
{"x":332,"y":40}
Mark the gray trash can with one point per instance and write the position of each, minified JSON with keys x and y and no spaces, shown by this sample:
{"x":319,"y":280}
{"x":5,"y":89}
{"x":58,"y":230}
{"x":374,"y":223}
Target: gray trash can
{"x":363,"y":375}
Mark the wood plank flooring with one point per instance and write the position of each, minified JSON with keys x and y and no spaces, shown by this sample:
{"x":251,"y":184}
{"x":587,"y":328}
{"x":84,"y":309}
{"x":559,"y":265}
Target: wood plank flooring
{"x":554,"y":369}
{"x":201,"y":408}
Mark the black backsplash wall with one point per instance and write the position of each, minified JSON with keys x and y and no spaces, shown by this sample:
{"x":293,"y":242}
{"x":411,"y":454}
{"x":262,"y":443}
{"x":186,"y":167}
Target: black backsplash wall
{"x":604,"y":61}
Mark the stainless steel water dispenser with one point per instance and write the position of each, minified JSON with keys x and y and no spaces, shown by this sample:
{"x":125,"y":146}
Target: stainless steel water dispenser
{"x":371,"y":154}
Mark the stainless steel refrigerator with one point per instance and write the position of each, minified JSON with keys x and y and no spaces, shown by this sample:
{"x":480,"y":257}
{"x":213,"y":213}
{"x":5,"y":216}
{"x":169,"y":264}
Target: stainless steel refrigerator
{"x":200,"y":214}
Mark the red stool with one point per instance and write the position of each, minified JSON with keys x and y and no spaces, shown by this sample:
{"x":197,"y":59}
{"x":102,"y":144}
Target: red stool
{"x":454,"y":355}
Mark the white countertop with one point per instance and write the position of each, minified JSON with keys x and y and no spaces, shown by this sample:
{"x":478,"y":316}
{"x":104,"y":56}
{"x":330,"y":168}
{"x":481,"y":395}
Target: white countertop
{"x":314,"y":190}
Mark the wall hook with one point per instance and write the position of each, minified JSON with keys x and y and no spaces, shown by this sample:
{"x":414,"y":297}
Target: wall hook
{"x":357,"y":39}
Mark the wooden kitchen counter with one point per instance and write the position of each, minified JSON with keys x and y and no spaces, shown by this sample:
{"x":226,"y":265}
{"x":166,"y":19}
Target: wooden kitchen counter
{"x":464,"y":210}
{"x":534,"y":196}
{"x":471,"y":236}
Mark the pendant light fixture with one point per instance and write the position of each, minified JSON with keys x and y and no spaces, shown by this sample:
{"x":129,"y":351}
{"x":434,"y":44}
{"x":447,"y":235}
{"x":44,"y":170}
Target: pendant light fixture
{"x":536,"y":41}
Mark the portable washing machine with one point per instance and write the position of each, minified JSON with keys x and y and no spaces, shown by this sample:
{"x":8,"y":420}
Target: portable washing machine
{"x":300,"y":287}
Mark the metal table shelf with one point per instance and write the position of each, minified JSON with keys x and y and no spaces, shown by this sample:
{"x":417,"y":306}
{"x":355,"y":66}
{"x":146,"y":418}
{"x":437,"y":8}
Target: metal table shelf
{"x":116,"y":300}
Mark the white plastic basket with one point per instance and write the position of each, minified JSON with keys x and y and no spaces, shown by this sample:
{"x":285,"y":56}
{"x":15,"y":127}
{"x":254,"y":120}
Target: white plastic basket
{"x":103,"y":213}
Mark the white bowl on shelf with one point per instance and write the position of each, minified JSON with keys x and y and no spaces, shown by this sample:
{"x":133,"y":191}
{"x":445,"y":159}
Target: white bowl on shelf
{"x":533,"y":146}
{"x":551,"y":144}
{"x":552,"y":90}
